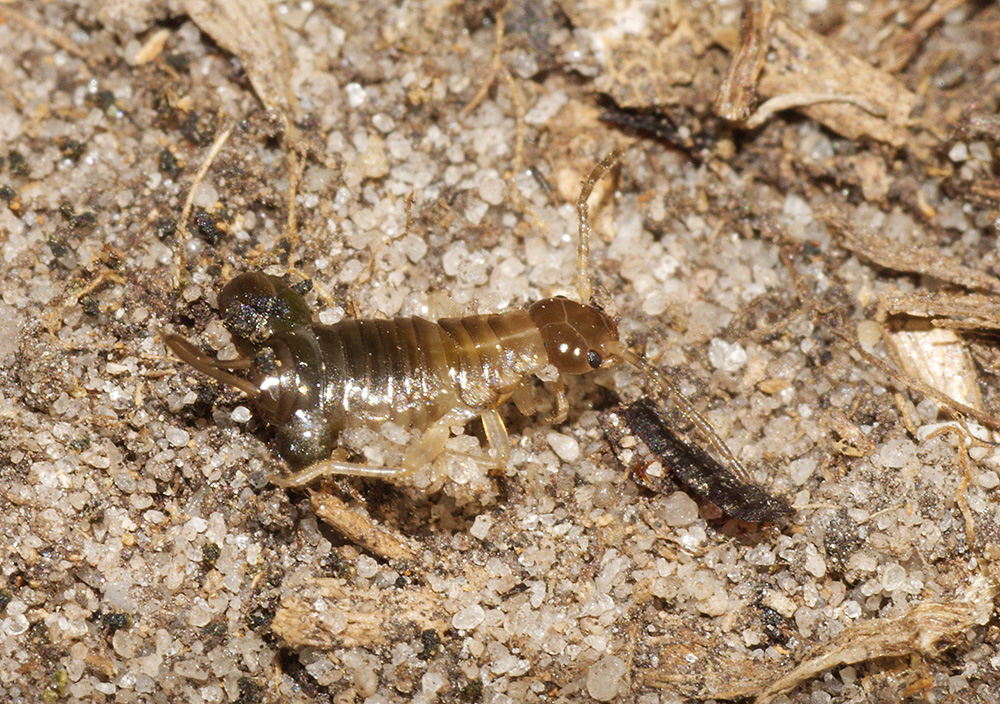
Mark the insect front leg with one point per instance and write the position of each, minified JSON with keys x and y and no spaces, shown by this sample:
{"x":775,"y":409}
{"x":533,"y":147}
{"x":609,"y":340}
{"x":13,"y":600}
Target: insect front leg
{"x":429,"y":447}
{"x":558,"y":388}
{"x":496,"y":435}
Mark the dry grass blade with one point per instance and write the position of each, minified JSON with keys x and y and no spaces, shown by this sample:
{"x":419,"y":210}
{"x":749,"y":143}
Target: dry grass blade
{"x":49,"y":34}
{"x":182,"y":230}
{"x":738,"y":92}
{"x":971,"y":311}
{"x":900,"y":49}
{"x":926,"y":261}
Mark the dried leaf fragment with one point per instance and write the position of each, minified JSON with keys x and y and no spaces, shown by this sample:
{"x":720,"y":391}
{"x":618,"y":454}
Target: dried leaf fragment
{"x":249,"y":30}
{"x":806,"y":62}
{"x":797,"y":68}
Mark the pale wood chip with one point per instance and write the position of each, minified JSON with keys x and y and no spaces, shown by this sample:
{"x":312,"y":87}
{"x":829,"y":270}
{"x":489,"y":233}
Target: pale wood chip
{"x":361,"y":530}
{"x":152,"y":48}
{"x":924,"y":630}
{"x":328,"y":614}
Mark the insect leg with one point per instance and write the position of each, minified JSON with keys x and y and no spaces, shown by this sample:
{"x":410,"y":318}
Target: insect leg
{"x":333,"y":467}
{"x":524,"y":399}
{"x":562,"y":403}
{"x":496,"y":435}
{"x":431,"y":445}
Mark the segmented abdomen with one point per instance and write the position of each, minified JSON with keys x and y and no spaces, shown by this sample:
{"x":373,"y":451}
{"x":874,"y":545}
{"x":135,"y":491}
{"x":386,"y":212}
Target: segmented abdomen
{"x":411,"y":371}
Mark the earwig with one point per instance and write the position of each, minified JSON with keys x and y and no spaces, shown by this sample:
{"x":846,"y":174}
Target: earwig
{"x":313,"y":381}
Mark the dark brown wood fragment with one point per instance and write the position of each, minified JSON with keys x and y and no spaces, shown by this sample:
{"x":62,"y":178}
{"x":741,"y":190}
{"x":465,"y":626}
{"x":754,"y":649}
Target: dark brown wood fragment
{"x":688,"y":463}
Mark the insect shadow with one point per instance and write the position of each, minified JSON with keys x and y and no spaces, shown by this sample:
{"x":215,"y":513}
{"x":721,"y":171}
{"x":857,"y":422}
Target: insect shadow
{"x":313,"y":381}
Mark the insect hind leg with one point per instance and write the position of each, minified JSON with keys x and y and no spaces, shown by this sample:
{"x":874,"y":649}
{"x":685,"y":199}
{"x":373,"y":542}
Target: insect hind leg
{"x":432,"y":443}
{"x":423,"y":453}
{"x":496,"y":435}
{"x":430,"y":446}
{"x":334,"y":467}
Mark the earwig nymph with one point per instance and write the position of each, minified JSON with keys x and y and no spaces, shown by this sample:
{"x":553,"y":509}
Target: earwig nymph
{"x":312,"y":381}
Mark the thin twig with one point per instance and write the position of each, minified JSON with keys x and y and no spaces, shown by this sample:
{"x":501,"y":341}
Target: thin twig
{"x":182,"y":228}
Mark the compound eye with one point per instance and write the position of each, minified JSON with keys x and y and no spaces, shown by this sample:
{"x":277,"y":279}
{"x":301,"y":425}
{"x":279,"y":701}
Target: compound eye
{"x":594,"y":359}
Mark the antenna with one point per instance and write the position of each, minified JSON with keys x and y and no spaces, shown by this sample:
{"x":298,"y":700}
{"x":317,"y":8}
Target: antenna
{"x":584,"y":285}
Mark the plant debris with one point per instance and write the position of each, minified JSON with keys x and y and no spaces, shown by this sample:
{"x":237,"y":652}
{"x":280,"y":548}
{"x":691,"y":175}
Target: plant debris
{"x":651,"y":450}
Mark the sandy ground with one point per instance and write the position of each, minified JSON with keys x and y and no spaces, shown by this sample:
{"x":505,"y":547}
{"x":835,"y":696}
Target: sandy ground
{"x":145,"y":556}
